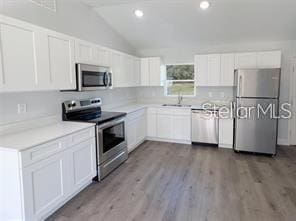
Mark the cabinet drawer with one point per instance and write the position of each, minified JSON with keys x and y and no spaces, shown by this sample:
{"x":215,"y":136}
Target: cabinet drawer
{"x":42,"y":151}
{"x":45,"y":150}
{"x":80,"y":136}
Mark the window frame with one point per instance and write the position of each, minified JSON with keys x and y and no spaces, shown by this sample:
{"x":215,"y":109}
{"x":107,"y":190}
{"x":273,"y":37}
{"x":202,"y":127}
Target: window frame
{"x":167,"y":81}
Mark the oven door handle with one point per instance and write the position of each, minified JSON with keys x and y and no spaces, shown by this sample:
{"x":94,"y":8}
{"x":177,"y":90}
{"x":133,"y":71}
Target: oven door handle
{"x":110,"y":124}
{"x":105,"y":78}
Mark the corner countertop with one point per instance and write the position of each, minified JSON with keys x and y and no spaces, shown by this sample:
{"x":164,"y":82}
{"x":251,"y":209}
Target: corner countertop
{"x":26,"y":139}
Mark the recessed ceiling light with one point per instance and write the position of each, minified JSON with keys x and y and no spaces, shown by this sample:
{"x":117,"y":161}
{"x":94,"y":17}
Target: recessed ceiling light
{"x":139,"y":13}
{"x":204,"y":5}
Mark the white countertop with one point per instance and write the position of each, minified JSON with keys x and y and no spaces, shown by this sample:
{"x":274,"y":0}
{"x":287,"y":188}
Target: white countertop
{"x":136,"y":106}
{"x":26,"y":139}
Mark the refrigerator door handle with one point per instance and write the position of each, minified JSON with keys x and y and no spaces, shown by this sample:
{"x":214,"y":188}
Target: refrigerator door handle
{"x":240,"y":85}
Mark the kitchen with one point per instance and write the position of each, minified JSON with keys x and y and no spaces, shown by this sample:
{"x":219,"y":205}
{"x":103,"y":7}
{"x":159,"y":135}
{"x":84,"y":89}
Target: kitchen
{"x":46,"y":161}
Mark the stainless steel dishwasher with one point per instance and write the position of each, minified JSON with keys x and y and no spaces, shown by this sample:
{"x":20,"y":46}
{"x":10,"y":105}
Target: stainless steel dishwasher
{"x":205,"y":126}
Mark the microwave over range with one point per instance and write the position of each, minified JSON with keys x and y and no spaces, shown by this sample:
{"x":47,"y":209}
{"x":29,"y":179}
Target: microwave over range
{"x":91,"y":77}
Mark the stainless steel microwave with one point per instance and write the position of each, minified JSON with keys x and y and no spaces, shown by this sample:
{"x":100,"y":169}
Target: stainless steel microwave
{"x":91,"y":77}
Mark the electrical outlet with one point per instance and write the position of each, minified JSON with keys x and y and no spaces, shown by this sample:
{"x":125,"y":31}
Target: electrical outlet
{"x":222,"y":94}
{"x":21,"y":108}
{"x":210,"y":94}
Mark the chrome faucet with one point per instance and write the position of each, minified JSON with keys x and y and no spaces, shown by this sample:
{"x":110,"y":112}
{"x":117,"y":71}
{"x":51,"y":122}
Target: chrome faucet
{"x":180,"y":98}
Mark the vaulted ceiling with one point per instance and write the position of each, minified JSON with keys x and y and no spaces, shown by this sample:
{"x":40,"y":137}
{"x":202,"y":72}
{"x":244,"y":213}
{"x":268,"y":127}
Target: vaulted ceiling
{"x":181,"y":23}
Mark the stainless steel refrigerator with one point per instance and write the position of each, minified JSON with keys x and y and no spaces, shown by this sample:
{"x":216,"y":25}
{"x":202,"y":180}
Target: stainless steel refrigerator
{"x":255,"y":131}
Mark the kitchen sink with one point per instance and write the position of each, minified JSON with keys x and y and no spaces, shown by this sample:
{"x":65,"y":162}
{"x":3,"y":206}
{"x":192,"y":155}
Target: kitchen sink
{"x":176,"y":105}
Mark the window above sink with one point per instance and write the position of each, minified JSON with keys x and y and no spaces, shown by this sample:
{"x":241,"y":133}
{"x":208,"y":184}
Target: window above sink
{"x":180,"y":80}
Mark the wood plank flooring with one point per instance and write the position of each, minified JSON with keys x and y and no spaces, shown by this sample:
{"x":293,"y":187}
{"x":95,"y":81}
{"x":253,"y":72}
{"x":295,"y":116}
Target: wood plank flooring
{"x":175,"y":182}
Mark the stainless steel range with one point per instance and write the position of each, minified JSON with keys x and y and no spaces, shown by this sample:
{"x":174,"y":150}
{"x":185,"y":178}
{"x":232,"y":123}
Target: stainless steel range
{"x":110,"y":132}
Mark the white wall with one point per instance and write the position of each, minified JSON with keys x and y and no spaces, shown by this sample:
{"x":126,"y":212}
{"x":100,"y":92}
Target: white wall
{"x":72,"y":18}
{"x":155,"y":95}
{"x":43,"y":104}
{"x":186,"y":55}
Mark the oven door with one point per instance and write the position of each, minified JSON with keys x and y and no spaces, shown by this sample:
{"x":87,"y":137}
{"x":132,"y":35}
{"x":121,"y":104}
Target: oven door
{"x":90,"y":77}
{"x":110,"y":139}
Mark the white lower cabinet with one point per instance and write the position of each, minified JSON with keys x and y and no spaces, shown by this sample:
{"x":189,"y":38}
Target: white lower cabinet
{"x":151,"y":122}
{"x":46,"y":176}
{"x":83,"y":163}
{"x":45,"y":185}
{"x":135,"y":129}
{"x":164,"y":126}
{"x":226,"y":133}
{"x":169,"y":124}
{"x":182,"y":128}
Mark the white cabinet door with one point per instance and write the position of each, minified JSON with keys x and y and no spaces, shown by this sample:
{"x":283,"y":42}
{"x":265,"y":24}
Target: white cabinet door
{"x":62,"y":63}
{"x":182,"y":128}
{"x":22,"y":66}
{"x":151,"y":124}
{"x":214,"y":67}
{"x":245,"y":60}
{"x":145,"y":71}
{"x":227,"y":70}
{"x":45,"y":185}
{"x":116,"y":68}
{"x":83,"y":52}
{"x":141,"y":128}
{"x":201,"y":67}
{"x":154,"y":72}
{"x":131,"y":130}
{"x":226,"y":133}
{"x":164,"y":126}
{"x":101,"y":56}
{"x":136,"y":72}
{"x":83,"y":158}
{"x":269,"y":59}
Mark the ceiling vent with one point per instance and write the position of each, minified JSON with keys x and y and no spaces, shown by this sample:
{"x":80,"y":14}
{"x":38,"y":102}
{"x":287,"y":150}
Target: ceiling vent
{"x":48,"y":4}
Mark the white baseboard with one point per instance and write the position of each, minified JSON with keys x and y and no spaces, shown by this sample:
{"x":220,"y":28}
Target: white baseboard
{"x":283,"y":142}
{"x":168,"y":140}
{"x":226,"y":146}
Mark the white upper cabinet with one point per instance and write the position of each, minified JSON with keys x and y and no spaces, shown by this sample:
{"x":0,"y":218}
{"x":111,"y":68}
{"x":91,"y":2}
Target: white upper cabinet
{"x":89,"y":53}
{"x":201,"y":67}
{"x":145,"y":71}
{"x":151,"y":71}
{"x":83,"y":52}
{"x":154,"y":72}
{"x":246,"y":60}
{"x":214,"y":66}
{"x":116,"y":68}
{"x":218,"y":69}
{"x":124,"y":69}
{"x":136,"y":72}
{"x":34,"y":58}
{"x":269,"y":59}
{"x":208,"y":69}
{"x":21,"y":57}
{"x":102,"y":56}
{"x":61,"y":61}
{"x":227,"y":70}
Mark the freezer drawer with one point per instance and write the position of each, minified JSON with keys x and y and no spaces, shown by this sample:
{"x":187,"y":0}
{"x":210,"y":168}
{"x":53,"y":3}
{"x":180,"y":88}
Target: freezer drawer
{"x":256,"y":133}
{"x":205,"y":127}
{"x":257,"y":83}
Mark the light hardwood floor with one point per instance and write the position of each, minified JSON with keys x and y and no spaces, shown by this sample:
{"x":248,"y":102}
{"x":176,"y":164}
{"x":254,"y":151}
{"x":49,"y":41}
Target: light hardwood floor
{"x":164,"y":181}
